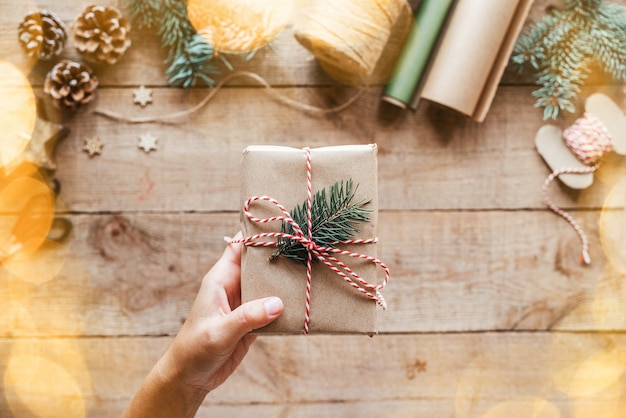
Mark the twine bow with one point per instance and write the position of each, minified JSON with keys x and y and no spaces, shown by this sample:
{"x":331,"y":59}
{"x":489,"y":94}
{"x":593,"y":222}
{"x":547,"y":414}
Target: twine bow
{"x":588,"y":139}
{"x":327,"y":255}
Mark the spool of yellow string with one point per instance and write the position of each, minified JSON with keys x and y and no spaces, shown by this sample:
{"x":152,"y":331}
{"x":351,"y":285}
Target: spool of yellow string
{"x":239,"y":26}
{"x":355,"y":41}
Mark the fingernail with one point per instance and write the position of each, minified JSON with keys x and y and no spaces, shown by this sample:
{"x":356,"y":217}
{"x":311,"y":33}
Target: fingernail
{"x":273,"y":306}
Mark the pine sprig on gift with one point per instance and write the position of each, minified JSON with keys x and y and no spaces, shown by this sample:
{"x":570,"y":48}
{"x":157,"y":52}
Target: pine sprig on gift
{"x":189,"y":55}
{"x":333,"y":219}
{"x":565,"y":45}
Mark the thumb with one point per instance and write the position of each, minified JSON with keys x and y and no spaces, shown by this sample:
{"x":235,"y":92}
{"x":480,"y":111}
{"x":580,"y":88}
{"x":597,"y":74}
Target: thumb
{"x":250,"y":316}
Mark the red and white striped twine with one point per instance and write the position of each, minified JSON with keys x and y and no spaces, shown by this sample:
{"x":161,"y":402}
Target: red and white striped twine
{"x":325,"y":254}
{"x":588,"y":139}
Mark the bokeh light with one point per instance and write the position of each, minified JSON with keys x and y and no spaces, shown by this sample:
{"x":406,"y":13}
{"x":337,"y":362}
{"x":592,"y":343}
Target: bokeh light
{"x":39,"y":267}
{"x":589,"y":370}
{"x":18,"y":112}
{"x":602,"y":404}
{"x":523,"y":408}
{"x":27,"y":207}
{"x":592,"y":375}
{"x":608,"y":306}
{"x":485,"y":384}
{"x":46,"y":378}
{"x":613,"y":227}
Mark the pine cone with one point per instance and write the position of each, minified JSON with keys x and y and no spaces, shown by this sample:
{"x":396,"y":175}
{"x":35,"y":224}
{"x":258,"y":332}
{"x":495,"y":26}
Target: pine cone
{"x":101,"y":34}
{"x":42,"y":34}
{"x":71,"y":84}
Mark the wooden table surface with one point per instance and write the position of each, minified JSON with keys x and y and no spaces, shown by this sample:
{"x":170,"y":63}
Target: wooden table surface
{"x":490,"y":312}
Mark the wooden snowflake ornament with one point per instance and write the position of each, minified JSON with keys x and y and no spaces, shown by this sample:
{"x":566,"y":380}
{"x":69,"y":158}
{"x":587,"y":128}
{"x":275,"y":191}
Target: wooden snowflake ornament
{"x":93,"y":146}
{"x":142,"y":96}
{"x":147,"y":142}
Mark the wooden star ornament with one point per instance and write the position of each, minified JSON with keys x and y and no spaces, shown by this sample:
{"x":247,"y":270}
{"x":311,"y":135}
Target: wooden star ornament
{"x":42,"y":142}
{"x":93,"y":146}
{"x":142,"y":96}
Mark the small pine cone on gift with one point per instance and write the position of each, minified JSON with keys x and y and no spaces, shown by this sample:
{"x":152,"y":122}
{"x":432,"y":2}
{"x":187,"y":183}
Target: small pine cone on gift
{"x":101,"y":34}
{"x":70,"y":84}
{"x":42,"y":34}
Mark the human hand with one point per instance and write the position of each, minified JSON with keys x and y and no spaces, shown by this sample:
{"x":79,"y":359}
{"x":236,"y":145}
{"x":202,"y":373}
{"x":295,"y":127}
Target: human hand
{"x":211,"y":343}
{"x":214,"y":338}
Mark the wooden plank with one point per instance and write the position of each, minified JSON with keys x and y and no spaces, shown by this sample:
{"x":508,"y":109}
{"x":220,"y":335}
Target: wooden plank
{"x":431,"y":159}
{"x":465,"y":375}
{"x":137,"y":274}
{"x":286,"y":64}
{"x":471,"y":247}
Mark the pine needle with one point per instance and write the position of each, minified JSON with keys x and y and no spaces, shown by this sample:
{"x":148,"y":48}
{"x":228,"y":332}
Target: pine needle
{"x":333,"y":219}
{"x":189,"y":55}
{"x":564,"y":46}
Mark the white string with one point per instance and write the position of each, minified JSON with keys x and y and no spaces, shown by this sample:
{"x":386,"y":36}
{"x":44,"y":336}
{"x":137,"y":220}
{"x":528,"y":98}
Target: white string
{"x":272,"y":91}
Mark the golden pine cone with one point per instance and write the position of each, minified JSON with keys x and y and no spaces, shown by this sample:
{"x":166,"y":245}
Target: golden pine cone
{"x":42,"y":34}
{"x":101,"y":34}
{"x":71,"y":84}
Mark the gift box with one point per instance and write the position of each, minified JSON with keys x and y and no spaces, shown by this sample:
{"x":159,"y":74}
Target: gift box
{"x":275,"y":176}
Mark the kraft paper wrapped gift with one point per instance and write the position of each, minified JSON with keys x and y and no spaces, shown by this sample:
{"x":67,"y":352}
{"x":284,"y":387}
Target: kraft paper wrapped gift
{"x":281,"y":173}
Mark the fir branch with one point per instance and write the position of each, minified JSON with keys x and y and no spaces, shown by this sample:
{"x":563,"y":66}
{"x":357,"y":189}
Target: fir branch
{"x":192,"y":63}
{"x":189,"y":55}
{"x":333,"y":219}
{"x":144,"y":12}
{"x":529,"y":47}
{"x":610,"y":53}
{"x":175,"y":29}
{"x":564,"y":45}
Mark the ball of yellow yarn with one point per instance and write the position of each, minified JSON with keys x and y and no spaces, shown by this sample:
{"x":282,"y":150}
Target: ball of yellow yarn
{"x":239,"y":26}
{"x":355,"y":41}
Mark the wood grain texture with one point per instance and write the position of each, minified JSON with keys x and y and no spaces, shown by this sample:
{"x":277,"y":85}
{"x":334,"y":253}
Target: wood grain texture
{"x":286,"y":63}
{"x":137,"y":274}
{"x":429,"y":160}
{"x":464,"y":375}
{"x":490,"y":312}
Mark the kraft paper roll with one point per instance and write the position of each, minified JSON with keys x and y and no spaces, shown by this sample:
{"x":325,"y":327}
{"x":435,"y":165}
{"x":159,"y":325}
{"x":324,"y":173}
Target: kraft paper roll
{"x":473,"y":52}
{"x":411,"y":66}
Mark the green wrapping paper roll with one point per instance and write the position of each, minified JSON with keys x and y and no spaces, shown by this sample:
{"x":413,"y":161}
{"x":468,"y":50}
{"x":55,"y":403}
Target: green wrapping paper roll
{"x":404,"y":83}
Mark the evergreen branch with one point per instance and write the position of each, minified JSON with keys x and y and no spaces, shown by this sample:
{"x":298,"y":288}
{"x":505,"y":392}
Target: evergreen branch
{"x":144,"y":12}
{"x":175,"y":29}
{"x":189,"y":55}
{"x":611,"y":55}
{"x":333,"y":219}
{"x":529,"y":46}
{"x":191,"y":64}
{"x":611,"y":41}
{"x":563,"y":46}
{"x":558,"y":91}
{"x":585,"y":6}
